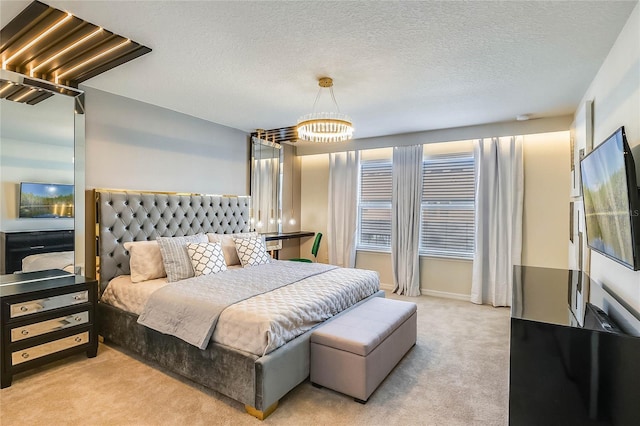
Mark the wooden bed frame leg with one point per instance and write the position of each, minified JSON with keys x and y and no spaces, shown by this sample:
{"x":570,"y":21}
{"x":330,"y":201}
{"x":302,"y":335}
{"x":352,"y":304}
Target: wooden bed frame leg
{"x":261,"y":415}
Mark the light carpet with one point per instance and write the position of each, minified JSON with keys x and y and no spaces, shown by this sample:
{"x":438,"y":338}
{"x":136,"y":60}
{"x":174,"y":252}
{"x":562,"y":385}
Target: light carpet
{"x":457,"y":374}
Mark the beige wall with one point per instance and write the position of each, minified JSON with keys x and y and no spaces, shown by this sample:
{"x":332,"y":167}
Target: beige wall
{"x":545,"y":222}
{"x":438,"y":276}
{"x":291,"y":190}
{"x":446,"y":277}
{"x":545,"y":225}
{"x":314,"y":196}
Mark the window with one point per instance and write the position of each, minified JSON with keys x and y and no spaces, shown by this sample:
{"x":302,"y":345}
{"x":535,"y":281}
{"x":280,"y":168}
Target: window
{"x":448,"y":200}
{"x":374,"y":208}
{"x":447,"y":210}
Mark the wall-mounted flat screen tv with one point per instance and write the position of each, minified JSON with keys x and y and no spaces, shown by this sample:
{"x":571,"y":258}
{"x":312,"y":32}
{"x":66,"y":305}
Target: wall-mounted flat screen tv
{"x":611,"y":202}
{"x":45,"y":200}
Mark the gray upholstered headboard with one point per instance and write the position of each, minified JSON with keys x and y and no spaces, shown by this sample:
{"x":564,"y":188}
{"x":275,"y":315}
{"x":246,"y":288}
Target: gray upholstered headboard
{"x":140,"y":216}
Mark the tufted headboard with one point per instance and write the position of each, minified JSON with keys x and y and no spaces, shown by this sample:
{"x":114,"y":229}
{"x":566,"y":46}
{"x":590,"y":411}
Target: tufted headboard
{"x":139,"y":216}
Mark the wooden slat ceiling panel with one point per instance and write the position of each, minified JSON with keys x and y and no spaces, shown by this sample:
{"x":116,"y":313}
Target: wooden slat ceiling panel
{"x":22,"y":94}
{"x":43,"y":95}
{"x":112,"y":64}
{"x":69,"y":70}
{"x":281,"y":135}
{"x":24,"y":56}
{"x":7,"y":89}
{"x":53,"y":50}
{"x":60,"y":52}
{"x":49,"y":44}
{"x":32,"y":20}
{"x":110,"y":52}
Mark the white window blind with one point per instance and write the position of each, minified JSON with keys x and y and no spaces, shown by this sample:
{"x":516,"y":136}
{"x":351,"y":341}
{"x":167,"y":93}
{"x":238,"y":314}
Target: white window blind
{"x":447,"y":211}
{"x":448,"y":199}
{"x":374,"y":208}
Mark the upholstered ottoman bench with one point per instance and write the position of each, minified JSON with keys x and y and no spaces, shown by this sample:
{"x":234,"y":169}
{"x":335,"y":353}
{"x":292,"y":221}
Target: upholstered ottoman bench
{"x":355,"y":352}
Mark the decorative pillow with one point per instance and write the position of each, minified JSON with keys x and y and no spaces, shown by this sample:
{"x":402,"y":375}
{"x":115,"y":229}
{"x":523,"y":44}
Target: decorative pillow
{"x":206,"y":258}
{"x":175,"y":257}
{"x":146,"y":260}
{"x":229,"y":246}
{"x":251,"y":251}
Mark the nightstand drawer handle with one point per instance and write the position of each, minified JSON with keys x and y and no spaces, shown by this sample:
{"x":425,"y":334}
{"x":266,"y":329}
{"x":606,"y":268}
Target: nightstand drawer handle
{"x":25,"y":332}
{"x":77,"y":297}
{"x":78,"y":319}
{"x":25,"y":355}
{"x":24,"y":308}
{"x":78,"y":339}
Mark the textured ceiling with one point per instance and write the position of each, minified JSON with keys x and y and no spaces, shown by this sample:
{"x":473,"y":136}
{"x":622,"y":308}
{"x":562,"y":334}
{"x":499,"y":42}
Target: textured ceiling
{"x":397,"y":66}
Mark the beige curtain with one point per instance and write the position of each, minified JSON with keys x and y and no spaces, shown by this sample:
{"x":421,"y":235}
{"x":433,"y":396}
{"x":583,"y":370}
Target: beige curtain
{"x":344,"y":168}
{"x":405,"y":219}
{"x":498,"y":218}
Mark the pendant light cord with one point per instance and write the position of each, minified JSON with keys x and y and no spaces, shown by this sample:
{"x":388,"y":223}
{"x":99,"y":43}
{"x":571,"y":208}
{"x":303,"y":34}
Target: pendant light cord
{"x":333,"y":97}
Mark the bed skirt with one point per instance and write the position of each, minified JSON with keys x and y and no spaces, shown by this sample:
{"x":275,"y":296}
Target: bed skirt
{"x":258,"y":382}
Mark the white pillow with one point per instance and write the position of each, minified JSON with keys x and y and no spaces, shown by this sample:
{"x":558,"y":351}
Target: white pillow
{"x":146,"y":261}
{"x":206,"y":258}
{"x":175,"y":257}
{"x":229,"y":246}
{"x":251,"y":251}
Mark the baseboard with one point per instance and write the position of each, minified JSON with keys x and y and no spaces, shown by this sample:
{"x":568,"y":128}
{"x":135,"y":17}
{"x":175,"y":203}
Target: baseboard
{"x":386,"y":287}
{"x":433,"y":293}
{"x":445,"y":294}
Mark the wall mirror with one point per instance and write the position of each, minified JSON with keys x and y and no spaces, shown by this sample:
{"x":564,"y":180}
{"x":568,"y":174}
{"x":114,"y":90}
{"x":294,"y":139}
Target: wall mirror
{"x":41,"y":144}
{"x":266,"y":184}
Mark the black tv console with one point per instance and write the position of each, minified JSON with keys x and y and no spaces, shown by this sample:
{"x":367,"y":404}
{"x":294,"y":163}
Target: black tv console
{"x":20,"y":244}
{"x":570,"y":364}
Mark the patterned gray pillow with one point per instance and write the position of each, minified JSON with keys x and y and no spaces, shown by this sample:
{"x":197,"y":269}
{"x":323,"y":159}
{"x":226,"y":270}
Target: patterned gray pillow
{"x":252,"y":251}
{"x":175,"y":257}
{"x":206,"y":258}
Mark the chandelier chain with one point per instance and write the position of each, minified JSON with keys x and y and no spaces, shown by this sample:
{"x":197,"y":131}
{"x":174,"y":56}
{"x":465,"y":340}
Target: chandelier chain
{"x":333,"y":97}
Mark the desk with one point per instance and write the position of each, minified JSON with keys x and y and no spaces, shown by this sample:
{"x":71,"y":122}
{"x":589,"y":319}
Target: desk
{"x":280,"y":236}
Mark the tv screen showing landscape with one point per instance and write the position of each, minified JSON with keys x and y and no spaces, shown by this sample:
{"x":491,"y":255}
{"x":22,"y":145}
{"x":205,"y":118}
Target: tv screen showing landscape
{"x":606,"y":200}
{"x":45,"y":200}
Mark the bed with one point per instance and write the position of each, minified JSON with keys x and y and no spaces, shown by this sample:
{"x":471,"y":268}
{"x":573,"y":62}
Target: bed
{"x":257,"y":375}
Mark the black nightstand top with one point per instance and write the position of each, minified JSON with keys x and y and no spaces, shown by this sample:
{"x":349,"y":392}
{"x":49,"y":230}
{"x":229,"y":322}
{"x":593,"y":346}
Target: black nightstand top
{"x":29,"y":282}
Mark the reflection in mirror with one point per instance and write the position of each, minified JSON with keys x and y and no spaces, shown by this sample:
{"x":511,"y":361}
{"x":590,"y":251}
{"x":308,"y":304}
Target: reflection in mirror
{"x":36,"y":145}
{"x":266,"y":160}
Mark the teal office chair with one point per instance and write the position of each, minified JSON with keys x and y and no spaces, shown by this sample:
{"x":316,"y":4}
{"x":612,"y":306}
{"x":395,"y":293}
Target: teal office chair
{"x":314,"y":250}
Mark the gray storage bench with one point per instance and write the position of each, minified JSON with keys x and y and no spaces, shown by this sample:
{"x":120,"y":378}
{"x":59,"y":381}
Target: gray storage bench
{"x":355,"y":352}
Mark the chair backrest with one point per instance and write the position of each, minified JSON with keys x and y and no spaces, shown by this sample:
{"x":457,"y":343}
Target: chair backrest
{"x":316,"y":244}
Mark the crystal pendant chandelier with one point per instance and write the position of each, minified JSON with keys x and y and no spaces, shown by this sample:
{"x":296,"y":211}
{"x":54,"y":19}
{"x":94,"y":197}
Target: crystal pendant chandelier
{"x":325,"y":127}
